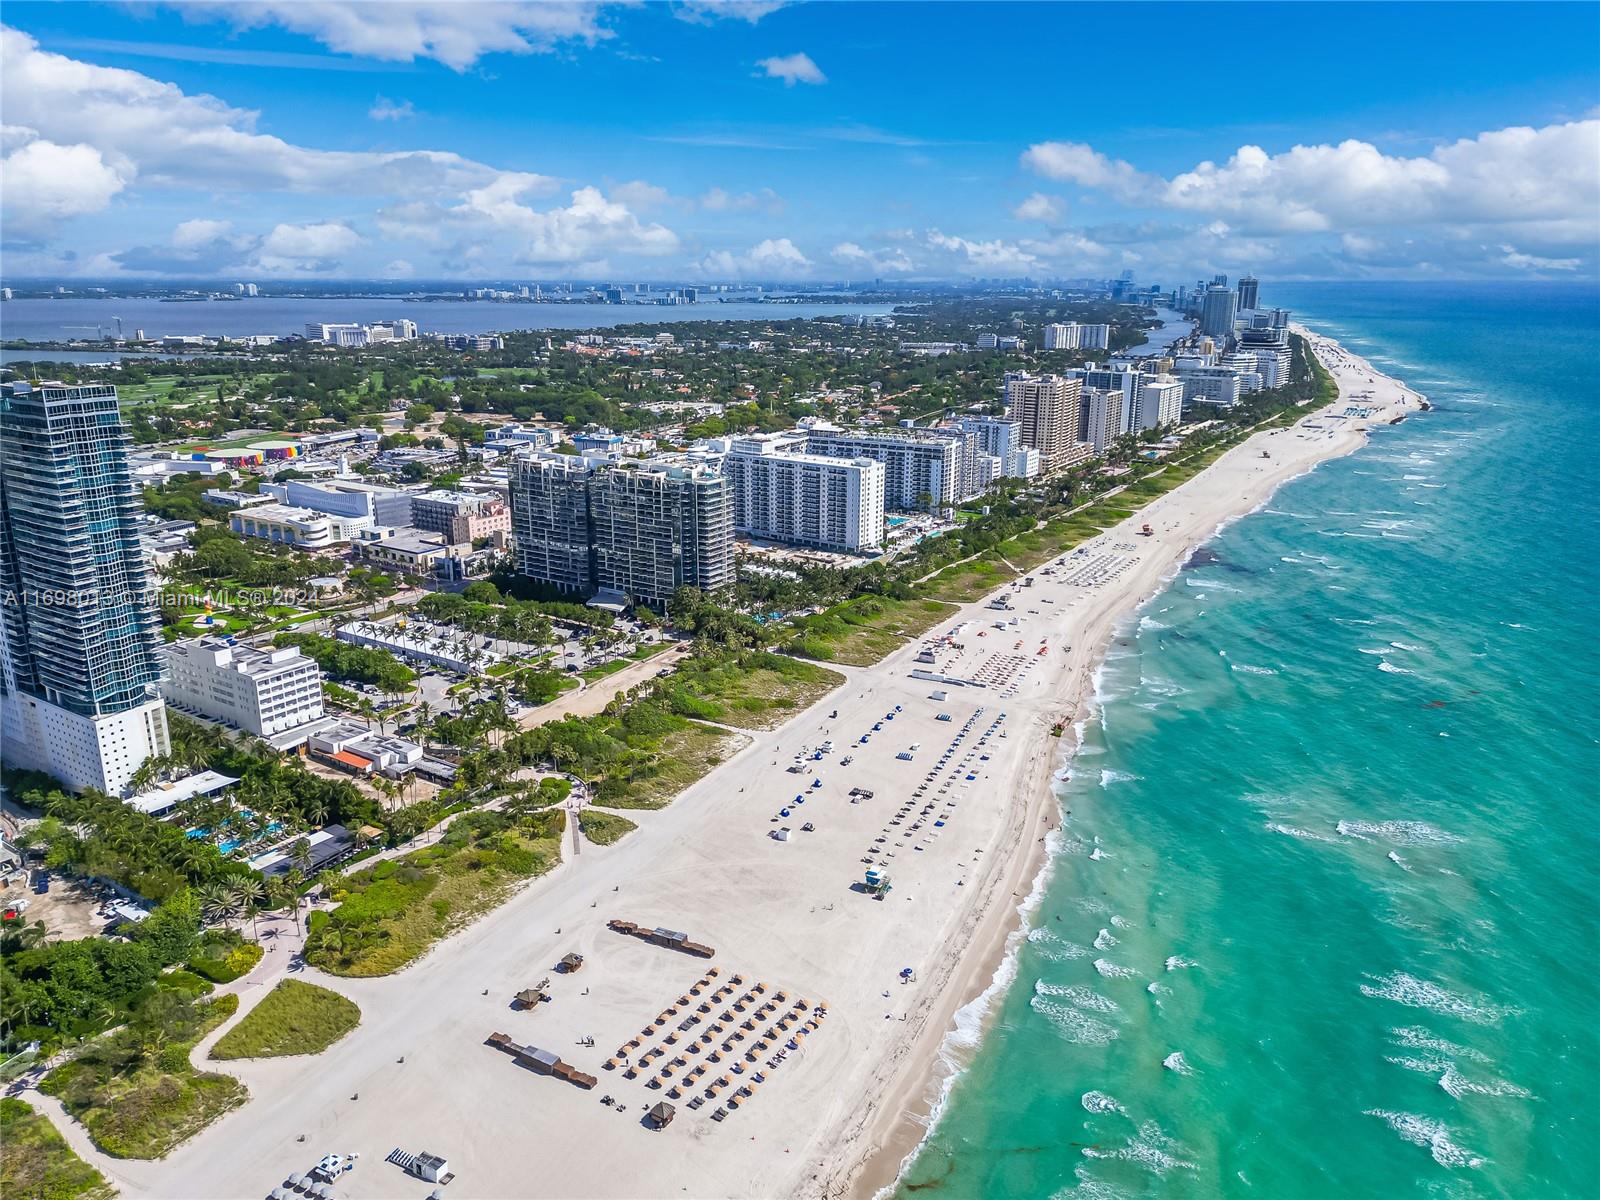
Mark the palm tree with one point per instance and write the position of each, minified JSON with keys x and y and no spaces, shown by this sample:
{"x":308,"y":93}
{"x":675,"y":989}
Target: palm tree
{"x":251,"y":894}
{"x":329,"y":882}
{"x":218,"y":903}
{"x":294,"y":880}
{"x":316,"y":810}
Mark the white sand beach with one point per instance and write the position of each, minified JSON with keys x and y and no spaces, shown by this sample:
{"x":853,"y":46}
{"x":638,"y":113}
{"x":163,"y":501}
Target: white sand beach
{"x":838,"y":1115}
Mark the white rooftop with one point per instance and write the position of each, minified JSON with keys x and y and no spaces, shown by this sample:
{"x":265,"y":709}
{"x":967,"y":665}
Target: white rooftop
{"x":159,"y":799}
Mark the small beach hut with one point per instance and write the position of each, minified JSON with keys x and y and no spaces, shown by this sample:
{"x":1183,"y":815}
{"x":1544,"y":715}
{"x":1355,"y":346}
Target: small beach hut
{"x":661,"y":1114}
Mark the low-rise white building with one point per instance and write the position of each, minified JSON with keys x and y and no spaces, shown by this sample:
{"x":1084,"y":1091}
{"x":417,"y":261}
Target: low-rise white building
{"x":301,"y":527}
{"x":264,"y":692}
{"x":437,"y":645}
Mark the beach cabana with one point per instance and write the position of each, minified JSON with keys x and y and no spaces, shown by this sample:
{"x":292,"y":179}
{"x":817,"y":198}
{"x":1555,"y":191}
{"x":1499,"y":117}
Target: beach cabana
{"x":661,"y":1114}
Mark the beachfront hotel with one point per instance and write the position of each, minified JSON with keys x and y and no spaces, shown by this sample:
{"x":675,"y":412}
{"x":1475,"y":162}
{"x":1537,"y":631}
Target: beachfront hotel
{"x":80,"y":638}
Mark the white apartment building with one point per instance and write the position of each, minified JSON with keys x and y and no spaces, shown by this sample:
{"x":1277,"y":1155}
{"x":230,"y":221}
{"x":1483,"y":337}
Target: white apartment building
{"x":1025,"y":463}
{"x":1077,"y":337}
{"x":304,"y":528}
{"x":1094,"y":337}
{"x":1160,"y":401}
{"x":1002,"y":438}
{"x":1209,"y":385}
{"x":264,"y":692}
{"x":805,"y":499}
{"x":1244,"y":365}
{"x":922,"y":468}
{"x":1060,"y":337}
{"x":1099,"y":417}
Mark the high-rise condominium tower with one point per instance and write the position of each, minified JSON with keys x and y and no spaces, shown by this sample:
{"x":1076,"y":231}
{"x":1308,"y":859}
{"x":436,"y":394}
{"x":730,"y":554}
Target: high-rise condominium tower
{"x":80,"y":654}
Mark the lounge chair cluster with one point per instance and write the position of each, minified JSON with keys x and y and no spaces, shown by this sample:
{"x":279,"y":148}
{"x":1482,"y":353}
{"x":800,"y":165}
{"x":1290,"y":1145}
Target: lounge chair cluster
{"x":1004,"y":672}
{"x":757,"y":1023}
{"x":921,"y":818}
{"x":1096,"y":569}
{"x":672,"y":939}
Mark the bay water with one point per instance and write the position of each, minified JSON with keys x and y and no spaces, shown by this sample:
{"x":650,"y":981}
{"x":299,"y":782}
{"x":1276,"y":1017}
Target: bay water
{"x":1321,"y":921}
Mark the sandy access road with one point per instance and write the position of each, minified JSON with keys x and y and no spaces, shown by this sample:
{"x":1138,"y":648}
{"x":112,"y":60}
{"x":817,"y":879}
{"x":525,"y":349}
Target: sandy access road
{"x":840,"y":1114}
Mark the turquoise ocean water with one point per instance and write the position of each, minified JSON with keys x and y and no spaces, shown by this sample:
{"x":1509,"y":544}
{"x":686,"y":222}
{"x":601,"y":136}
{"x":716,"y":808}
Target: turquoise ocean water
{"x":1323,"y":918}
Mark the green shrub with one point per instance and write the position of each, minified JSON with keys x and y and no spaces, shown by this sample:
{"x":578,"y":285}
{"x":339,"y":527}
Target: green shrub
{"x":188,"y":983}
{"x":294,"y":1018}
{"x":37,"y":1164}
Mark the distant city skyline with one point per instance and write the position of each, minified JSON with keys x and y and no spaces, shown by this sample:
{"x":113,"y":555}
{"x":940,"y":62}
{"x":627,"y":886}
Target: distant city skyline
{"x":761,"y":141}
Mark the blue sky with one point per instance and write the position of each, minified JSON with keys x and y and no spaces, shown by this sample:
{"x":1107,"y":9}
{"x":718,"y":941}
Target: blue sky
{"x":715,"y":141}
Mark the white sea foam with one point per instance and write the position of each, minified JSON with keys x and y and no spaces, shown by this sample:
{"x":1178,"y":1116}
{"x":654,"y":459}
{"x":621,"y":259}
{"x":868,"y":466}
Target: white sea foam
{"x":1247,"y":669}
{"x":1151,"y":625}
{"x":1097,"y":854}
{"x":1100,"y":1103}
{"x":1408,"y":646}
{"x":1401,"y":833}
{"x":1103,"y":940}
{"x":1176,"y":1063}
{"x":1296,"y":832}
{"x":1072,"y":1023}
{"x":1379,"y":651}
{"x":1458,"y":1085}
{"x":1178,"y":963}
{"x":1086,"y":1187}
{"x":1108,"y":777}
{"x":1415,"y":1037}
{"x":1388,"y":666}
{"x":1398,"y":861}
{"x":1078,"y":996}
{"x":1112,"y":970}
{"x":1157,"y":990}
{"x":1433,"y":1136}
{"x":1121,"y":922}
{"x":1402,"y":988}
{"x":1152,"y":1149}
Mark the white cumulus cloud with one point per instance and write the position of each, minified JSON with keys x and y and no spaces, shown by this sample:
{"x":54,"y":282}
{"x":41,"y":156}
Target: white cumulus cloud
{"x":294,"y":249}
{"x":1040,"y":207}
{"x":773,"y":258}
{"x":1508,"y":175}
{"x":385,"y":109}
{"x":792,"y":69}
{"x":43,"y":182}
{"x":456,"y":34}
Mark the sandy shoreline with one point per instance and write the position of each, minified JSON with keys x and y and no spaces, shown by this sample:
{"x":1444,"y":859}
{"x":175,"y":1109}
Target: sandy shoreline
{"x":839,"y":1114}
{"x":893,"y":1142}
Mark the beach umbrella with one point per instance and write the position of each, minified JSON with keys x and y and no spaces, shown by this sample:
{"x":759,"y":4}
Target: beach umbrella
{"x":278,"y":1194}
{"x":293,"y":1181}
